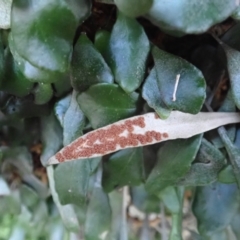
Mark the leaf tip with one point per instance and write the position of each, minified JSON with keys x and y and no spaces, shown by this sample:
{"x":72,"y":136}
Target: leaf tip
{"x":52,"y":160}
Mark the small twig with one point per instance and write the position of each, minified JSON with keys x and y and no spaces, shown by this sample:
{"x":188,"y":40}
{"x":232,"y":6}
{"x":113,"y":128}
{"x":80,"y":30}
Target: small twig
{"x":175,"y":87}
{"x":210,"y":98}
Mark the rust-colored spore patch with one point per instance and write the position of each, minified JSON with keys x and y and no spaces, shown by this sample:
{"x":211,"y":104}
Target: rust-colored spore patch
{"x":104,"y":141}
{"x":165,"y":135}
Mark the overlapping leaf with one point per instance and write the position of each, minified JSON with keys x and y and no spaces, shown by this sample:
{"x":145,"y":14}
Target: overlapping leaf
{"x":51,"y":137}
{"x":40,"y":36}
{"x":174,"y":160}
{"x":88,"y":66}
{"x":151,"y":93}
{"x":209,"y":162}
{"x":107,"y":103}
{"x":190,"y":91}
{"x":197,"y":16}
{"x":98,"y":219}
{"x":75,"y":188}
{"x":73,"y":121}
{"x":123,"y":168}
{"x":128,"y":51}
{"x":218,"y":211}
{"x":43,"y":93}
{"x":13,"y":80}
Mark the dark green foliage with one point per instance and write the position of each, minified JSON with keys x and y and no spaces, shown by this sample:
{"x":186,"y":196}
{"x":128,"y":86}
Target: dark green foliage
{"x":69,"y":67}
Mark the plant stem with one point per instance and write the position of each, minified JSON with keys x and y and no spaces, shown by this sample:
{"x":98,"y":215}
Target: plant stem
{"x":233,"y":153}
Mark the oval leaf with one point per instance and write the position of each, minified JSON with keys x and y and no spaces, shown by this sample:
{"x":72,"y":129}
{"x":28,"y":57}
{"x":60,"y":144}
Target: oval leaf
{"x":88,"y":66}
{"x":73,"y":189}
{"x":217,"y":212}
{"x":195,"y":16}
{"x":30,"y":72}
{"x":182,"y":85}
{"x":40,"y":36}
{"x":128,"y":51}
{"x":107,"y":103}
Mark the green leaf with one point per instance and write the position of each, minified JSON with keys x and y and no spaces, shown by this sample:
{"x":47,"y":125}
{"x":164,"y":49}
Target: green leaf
{"x":28,"y":197}
{"x":14,"y":82}
{"x":98,"y":220}
{"x":181,"y":17}
{"x":215,"y":206}
{"x":51,"y":137}
{"x":74,"y":188}
{"x":43,"y":93}
{"x":173,"y":200}
{"x":88,"y":66}
{"x":119,"y":224}
{"x":151,"y":93}
{"x":10,"y":204}
{"x":144,"y":201}
{"x":128,"y":51}
{"x":190,"y":93}
{"x":29,"y":71}
{"x":123,"y":168}
{"x":209,"y":162}
{"x":5,"y":12}
{"x":107,"y":103}
{"x":40,"y":36}
{"x":62,"y":86}
{"x":73,"y":121}
{"x":174,"y":161}
{"x":101,"y":41}
{"x":67,"y":212}
{"x":226,"y":175}
{"x":61,"y":106}
{"x":235,"y":224}
{"x":233,"y":57}
{"x":134,"y":8}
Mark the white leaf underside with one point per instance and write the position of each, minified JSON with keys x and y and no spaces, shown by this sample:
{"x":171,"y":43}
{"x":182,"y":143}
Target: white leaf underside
{"x":141,"y":130}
